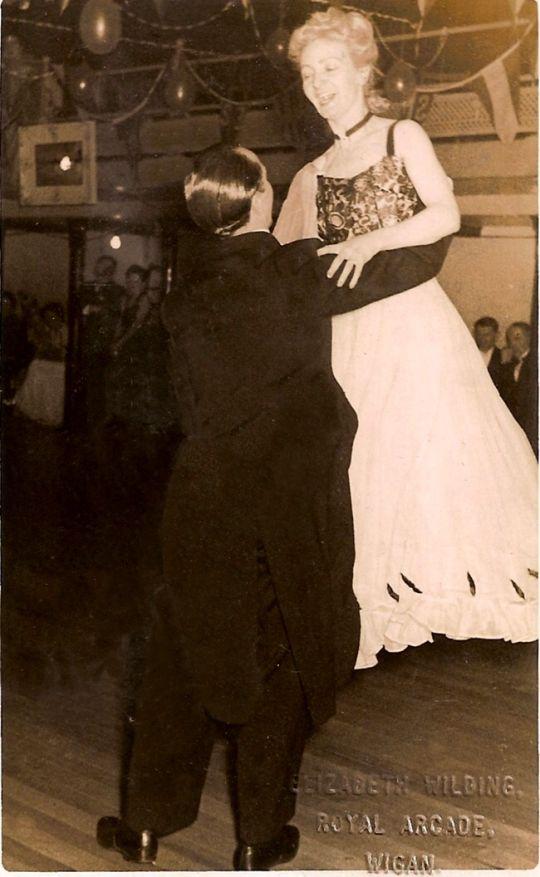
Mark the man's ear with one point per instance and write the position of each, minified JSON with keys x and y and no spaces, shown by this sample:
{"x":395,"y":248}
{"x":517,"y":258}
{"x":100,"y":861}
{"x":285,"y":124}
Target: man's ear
{"x":256,"y":205}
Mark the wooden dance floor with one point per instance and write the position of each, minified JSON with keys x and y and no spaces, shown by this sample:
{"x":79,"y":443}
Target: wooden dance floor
{"x":435,"y":747}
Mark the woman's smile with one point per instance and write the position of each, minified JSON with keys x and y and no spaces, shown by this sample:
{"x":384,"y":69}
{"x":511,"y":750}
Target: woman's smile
{"x":331,"y":81}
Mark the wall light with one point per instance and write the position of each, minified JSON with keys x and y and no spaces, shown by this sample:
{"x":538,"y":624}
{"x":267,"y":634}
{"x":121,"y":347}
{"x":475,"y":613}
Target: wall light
{"x":115,"y":242}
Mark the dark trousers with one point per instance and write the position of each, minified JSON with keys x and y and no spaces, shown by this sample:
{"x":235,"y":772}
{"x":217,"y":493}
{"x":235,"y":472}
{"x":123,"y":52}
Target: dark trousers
{"x":172,"y":736}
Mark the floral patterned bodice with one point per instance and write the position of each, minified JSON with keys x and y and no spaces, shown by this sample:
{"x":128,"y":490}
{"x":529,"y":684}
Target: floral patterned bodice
{"x":378,"y":197}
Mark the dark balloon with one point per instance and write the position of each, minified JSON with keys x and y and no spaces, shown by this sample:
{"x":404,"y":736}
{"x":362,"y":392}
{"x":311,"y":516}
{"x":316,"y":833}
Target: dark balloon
{"x":400,"y":82}
{"x":277,"y":46}
{"x":179,"y":91}
{"x":100,"y":26}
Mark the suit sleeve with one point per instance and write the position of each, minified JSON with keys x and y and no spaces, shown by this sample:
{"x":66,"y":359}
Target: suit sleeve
{"x":387,"y":274}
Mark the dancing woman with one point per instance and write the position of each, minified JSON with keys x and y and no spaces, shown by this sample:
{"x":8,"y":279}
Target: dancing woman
{"x":442,"y":477}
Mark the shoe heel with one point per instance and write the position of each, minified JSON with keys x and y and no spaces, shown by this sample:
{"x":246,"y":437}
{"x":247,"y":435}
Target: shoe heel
{"x":133,"y":846}
{"x":106,"y":831}
{"x":149,"y":848}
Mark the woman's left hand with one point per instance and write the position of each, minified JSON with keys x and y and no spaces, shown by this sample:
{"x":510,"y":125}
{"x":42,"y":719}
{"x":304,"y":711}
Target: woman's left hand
{"x":352,"y":254}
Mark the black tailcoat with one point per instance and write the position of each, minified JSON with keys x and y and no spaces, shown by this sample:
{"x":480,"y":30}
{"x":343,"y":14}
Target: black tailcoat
{"x":521,"y":396}
{"x":269,"y":435}
{"x":495,"y":367}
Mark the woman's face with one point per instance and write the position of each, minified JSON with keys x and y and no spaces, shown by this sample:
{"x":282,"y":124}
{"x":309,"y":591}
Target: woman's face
{"x":330,"y":79}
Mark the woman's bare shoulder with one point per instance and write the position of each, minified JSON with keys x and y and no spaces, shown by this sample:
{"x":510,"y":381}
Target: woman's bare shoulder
{"x":410,"y":134}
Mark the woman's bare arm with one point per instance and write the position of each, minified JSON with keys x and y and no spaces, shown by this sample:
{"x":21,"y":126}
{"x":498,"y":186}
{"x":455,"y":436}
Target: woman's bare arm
{"x":439,"y":218}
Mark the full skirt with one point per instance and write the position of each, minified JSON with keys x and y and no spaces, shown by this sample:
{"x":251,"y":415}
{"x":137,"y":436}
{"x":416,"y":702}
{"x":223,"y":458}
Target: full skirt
{"x":41,"y":396}
{"x":443,"y":480}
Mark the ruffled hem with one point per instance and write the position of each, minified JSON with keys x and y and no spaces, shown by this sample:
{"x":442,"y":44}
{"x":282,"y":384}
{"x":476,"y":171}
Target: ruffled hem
{"x":457,"y":617}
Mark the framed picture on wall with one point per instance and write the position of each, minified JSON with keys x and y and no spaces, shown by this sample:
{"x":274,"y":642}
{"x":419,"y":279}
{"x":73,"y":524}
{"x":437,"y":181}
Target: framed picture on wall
{"x":58,"y":163}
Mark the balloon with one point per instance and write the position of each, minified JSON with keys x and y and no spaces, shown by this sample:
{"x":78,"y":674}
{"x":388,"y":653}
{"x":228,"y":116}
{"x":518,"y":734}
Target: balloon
{"x":179,"y":89}
{"x":100,"y":26}
{"x":277,"y":46}
{"x":400,"y":82}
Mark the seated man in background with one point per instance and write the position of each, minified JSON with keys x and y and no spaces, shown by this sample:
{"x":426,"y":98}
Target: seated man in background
{"x":519,"y":387}
{"x":486,"y":330}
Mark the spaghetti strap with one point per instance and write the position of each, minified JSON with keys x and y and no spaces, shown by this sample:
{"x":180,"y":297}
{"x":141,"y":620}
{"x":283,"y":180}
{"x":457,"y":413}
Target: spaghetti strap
{"x":390,"y":140}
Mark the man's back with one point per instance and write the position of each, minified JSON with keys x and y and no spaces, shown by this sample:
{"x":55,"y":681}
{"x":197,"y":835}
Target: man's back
{"x":249,"y":353}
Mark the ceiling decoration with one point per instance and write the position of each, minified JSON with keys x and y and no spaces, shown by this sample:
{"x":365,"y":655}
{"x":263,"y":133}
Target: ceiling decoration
{"x":114,"y":60}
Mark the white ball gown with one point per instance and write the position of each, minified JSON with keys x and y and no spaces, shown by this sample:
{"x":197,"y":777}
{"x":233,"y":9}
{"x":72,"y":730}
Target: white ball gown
{"x":443,"y":479}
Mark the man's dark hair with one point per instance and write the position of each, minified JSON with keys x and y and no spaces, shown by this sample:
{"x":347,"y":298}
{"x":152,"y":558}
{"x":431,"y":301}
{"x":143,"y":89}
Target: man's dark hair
{"x":525,"y":327}
{"x":106,"y":258}
{"x":487,"y":323}
{"x":220,"y":189}
{"x":139,"y":270}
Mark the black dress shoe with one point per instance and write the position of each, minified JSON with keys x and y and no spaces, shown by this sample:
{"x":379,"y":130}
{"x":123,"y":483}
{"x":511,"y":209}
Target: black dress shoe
{"x":262,"y":857}
{"x":134,"y":846}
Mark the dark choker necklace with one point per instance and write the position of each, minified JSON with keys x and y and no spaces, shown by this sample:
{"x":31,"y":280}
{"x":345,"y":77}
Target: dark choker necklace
{"x":356,"y":127}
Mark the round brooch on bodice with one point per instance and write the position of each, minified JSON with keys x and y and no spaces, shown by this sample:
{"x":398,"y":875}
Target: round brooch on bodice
{"x":336,"y":220}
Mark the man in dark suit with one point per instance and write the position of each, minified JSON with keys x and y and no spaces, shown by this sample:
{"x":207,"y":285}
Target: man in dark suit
{"x":519,"y":388}
{"x":486,"y":330}
{"x":99,"y":312}
{"x":256,"y":624}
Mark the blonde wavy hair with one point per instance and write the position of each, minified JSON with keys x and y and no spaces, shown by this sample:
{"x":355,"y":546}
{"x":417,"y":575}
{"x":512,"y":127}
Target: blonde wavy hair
{"x":352,"y":29}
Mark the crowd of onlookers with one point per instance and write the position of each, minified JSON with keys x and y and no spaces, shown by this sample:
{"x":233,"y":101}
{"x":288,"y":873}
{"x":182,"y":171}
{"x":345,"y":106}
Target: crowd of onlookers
{"x":121,"y":380}
{"x":513,"y":370}
{"x":122,"y":363}
{"x":121,"y":396}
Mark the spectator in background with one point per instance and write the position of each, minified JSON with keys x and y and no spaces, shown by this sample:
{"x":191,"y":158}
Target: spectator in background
{"x":486,"y":330}
{"x":518,"y":386}
{"x":100,"y":308}
{"x":50,"y":334}
{"x":41,"y":396}
{"x":30,"y":315}
{"x":16,"y":350}
{"x":156,"y":284}
{"x":134,"y":307}
{"x":141,"y":413}
{"x":140,"y":390}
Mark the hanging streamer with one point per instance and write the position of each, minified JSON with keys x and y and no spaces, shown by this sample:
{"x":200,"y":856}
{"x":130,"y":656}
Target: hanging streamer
{"x":498,"y":89}
{"x":515,"y":5}
{"x":424,"y":6}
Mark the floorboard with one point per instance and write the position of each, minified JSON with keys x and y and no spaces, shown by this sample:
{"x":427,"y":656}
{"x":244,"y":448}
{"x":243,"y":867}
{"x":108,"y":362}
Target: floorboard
{"x":73,"y":590}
